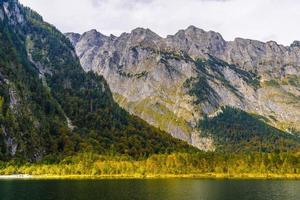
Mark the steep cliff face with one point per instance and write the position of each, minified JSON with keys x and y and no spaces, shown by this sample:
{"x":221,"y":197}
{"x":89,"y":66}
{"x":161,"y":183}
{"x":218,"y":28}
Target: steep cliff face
{"x":174,"y":82}
{"x":49,"y":107}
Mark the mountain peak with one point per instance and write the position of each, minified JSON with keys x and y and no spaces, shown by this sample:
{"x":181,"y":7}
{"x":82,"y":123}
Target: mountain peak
{"x":144,"y":33}
{"x":94,"y":32}
{"x":196,"y":41}
{"x":194,"y":31}
{"x":140,"y":30}
{"x":73,"y":37}
{"x":296,"y":43}
{"x":94,"y":38}
{"x":193,"y":28}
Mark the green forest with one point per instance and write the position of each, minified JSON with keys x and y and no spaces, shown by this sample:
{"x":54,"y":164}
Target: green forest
{"x":200,"y":164}
{"x":238,"y":131}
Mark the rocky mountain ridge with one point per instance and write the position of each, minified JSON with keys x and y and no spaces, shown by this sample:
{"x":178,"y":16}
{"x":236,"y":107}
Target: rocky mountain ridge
{"x":174,"y":82}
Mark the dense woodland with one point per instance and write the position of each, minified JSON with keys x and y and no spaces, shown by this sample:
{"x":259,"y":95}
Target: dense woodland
{"x":178,"y":164}
{"x":238,"y":131}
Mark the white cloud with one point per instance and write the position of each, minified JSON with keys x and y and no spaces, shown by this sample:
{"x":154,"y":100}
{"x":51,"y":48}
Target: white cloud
{"x":256,"y":19}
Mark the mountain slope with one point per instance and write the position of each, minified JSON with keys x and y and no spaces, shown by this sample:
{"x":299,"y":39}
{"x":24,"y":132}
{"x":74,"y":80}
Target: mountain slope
{"x":174,"y":82}
{"x":50,"y":107}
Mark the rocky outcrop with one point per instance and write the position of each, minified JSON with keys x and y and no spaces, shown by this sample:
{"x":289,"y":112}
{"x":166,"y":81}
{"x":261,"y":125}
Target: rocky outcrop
{"x":196,"y":42}
{"x":73,"y":37}
{"x":173,"y":82}
{"x":11,"y":9}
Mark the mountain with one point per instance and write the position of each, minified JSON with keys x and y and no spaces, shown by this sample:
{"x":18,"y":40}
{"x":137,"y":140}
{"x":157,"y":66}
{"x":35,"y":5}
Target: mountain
{"x":200,"y":88}
{"x":49,"y":106}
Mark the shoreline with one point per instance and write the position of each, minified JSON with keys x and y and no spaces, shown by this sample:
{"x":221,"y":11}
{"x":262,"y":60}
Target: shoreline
{"x":154,"y":176}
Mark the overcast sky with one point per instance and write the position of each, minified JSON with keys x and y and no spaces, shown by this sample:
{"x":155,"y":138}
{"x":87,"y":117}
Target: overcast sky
{"x":256,"y":19}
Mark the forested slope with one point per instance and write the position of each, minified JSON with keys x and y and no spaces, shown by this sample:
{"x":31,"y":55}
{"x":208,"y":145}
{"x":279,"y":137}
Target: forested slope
{"x":49,"y":107}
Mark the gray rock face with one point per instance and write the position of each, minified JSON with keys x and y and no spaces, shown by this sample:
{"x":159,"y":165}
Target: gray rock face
{"x":270,"y":59}
{"x":152,"y":77}
{"x":1,"y":14}
{"x":73,"y":37}
{"x":11,"y":8}
{"x":196,"y":42}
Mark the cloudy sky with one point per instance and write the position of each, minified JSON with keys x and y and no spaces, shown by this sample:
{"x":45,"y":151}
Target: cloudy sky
{"x":256,"y":19}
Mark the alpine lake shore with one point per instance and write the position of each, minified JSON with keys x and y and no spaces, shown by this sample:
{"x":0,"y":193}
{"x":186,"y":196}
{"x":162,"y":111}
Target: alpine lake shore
{"x":154,"y":176}
{"x":176,"y":165}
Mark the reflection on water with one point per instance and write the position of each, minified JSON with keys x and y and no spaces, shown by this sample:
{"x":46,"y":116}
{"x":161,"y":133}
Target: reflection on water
{"x":161,"y":189}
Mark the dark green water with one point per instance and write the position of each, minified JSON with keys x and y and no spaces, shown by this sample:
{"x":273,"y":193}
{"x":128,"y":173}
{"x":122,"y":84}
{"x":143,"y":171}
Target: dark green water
{"x":163,"y":189}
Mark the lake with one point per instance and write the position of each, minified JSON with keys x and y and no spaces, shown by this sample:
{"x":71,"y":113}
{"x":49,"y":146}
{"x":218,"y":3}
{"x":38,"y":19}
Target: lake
{"x":152,"y":189}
